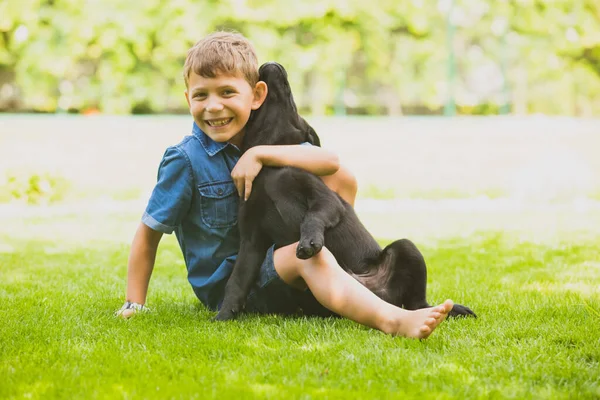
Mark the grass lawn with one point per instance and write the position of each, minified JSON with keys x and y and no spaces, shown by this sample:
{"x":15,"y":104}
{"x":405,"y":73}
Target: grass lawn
{"x":505,"y":211}
{"x":537,"y":335}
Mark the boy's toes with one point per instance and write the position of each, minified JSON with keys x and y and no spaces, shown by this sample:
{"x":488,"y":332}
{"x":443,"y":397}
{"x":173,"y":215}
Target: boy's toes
{"x":446,"y":306}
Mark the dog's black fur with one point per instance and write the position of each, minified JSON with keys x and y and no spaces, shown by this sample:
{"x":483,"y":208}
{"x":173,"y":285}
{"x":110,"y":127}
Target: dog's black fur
{"x":290,"y":205}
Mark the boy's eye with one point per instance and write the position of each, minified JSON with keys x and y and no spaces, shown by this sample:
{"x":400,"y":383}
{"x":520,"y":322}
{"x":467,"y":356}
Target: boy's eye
{"x":199,"y":95}
{"x":228,"y":92}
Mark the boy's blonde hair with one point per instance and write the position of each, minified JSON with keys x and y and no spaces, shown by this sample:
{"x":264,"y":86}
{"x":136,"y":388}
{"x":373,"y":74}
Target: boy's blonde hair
{"x":222,"y":53}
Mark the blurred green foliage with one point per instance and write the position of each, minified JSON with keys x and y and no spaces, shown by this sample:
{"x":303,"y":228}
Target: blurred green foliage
{"x":382,"y":57}
{"x":34,"y":188}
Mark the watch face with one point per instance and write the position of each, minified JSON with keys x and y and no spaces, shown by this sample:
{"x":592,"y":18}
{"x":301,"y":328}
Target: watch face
{"x":129,"y":305}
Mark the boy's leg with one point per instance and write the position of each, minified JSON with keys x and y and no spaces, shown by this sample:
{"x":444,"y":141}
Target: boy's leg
{"x":339,"y":292}
{"x":343,"y":183}
{"x":342,"y":294}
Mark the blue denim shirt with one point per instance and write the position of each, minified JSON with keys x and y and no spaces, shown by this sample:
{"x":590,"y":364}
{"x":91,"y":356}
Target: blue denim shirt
{"x":195,"y":196}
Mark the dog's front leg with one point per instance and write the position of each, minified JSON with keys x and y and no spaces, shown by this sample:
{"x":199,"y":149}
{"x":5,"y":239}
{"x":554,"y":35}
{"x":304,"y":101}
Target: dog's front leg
{"x":244,"y":274}
{"x":325,"y":209}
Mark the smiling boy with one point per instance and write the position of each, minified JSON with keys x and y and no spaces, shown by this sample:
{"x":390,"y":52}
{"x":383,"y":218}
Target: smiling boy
{"x":196,"y":197}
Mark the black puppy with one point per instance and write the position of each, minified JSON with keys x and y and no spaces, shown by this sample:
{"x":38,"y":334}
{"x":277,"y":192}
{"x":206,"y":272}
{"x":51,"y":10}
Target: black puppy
{"x":290,"y":205}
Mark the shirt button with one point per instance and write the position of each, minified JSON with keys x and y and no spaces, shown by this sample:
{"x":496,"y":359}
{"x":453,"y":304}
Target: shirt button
{"x":219,"y":191}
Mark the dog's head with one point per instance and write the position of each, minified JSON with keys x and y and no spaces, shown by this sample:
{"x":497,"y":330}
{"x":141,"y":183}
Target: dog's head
{"x":277,"y":120}
{"x":280,"y":92}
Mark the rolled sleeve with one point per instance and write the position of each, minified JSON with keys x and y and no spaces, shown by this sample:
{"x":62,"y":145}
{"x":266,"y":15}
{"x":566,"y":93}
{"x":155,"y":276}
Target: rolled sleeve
{"x":172,"y":196}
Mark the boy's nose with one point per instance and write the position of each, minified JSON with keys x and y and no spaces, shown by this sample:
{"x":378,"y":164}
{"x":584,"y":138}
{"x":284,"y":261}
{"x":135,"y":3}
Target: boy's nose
{"x":213,"y":105}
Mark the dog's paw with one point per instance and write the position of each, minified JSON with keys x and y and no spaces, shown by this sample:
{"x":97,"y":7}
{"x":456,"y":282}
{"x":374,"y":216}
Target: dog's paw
{"x":225,"y":315}
{"x":307,"y":248}
{"x":458,"y":310}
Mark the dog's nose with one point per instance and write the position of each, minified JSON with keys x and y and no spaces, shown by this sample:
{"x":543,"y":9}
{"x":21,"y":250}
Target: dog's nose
{"x":271,"y":67}
{"x":271,"y":64}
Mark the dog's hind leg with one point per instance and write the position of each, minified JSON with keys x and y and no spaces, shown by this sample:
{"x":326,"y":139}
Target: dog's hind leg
{"x":401,"y":275}
{"x":412,"y":274}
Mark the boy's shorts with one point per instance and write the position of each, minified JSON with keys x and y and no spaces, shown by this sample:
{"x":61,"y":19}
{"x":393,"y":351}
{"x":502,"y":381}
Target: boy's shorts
{"x":271,"y":295}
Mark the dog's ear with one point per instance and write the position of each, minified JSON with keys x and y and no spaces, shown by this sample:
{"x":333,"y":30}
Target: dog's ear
{"x":313,"y":138}
{"x":309,"y":133}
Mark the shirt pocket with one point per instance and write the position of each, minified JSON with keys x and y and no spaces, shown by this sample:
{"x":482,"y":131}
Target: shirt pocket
{"x":218,"y":204}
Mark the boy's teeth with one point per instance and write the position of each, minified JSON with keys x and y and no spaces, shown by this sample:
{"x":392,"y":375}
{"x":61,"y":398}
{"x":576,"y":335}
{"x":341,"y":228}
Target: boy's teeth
{"x":219,"y":122}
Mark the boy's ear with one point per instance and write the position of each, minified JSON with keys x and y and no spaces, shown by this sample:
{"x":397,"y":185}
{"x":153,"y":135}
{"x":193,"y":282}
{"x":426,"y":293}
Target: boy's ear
{"x":187,"y":97}
{"x":260,"y":94}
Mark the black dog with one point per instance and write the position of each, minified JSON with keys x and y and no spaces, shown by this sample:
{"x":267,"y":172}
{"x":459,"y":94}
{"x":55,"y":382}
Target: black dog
{"x":290,"y":205}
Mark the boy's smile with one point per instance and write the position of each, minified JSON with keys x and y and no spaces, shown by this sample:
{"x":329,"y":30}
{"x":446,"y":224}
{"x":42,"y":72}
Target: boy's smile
{"x":218,"y":122}
{"x":221,"y":105}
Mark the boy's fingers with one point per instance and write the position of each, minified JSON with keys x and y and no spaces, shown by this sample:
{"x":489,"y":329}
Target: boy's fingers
{"x":248,"y":189}
{"x":239,"y":185}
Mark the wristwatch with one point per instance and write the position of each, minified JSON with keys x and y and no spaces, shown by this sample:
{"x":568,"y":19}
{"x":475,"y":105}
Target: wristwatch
{"x":130,"y":305}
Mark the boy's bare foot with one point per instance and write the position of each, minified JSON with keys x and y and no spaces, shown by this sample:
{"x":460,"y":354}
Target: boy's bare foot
{"x":419,"y":324}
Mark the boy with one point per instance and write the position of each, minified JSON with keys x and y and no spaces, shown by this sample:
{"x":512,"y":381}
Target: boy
{"x":195,"y":196}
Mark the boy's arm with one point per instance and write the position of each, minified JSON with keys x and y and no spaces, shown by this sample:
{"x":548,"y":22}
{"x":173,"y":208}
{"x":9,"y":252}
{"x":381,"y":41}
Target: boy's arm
{"x":167,"y":206}
{"x":316,"y":160}
{"x":313,"y":159}
{"x":140,"y":266}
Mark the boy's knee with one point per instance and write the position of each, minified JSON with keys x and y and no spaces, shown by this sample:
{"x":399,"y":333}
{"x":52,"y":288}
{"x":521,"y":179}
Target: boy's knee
{"x":349,"y":183}
{"x":344,"y":183}
{"x":322,"y":260}
{"x":293,"y":270}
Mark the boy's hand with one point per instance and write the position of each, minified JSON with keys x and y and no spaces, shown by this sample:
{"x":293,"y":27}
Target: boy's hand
{"x":244,"y":172}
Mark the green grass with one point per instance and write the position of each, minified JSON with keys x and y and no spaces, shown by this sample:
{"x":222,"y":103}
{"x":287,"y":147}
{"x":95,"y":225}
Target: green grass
{"x":537,"y":335}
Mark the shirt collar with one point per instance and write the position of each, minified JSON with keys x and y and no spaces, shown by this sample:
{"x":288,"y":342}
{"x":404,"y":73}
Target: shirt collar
{"x":210,"y":146}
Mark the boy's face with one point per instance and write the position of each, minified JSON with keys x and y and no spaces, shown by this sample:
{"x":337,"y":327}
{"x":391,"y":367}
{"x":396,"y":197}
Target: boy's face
{"x":221,"y":105}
